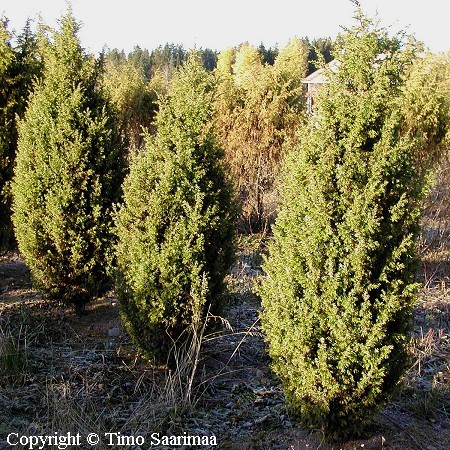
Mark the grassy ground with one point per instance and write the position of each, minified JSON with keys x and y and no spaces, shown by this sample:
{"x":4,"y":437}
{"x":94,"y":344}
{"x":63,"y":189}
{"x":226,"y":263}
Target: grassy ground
{"x":62,"y":373}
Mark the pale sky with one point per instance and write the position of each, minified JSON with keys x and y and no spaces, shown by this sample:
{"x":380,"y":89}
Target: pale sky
{"x":221,"y":24}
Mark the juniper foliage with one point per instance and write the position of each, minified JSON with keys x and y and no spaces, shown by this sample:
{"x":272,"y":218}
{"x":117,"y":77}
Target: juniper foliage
{"x":176,"y":224}
{"x":20,"y":64}
{"x":340,"y":283}
{"x":68,"y":173}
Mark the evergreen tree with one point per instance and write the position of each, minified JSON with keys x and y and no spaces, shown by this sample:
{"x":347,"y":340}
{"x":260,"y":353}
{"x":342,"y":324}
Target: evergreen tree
{"x":248,"y":67}
{"x":176,"y":225}
{"x":68,"y":173}
{"x":209,"y":58}
{"x":259,"y":108}
{"x":6,"y":144}
{"x":166,"y":59}
{"x":289,"y":70}
{"x":141,"y":60}
{"x":340,"y":276}
{"x":268,"y":55}
{"x":115,"y":57}
{"x":225,"y":79}
{"x":134,"y":99}
{"x":320,"y":50}
{"x":19,"y":66}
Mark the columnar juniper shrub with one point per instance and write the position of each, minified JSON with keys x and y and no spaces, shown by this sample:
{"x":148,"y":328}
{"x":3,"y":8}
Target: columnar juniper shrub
{"x":340,"y":276}
{"x":67,"y":175}
{"x":19,"y":66}
{"x":176,"y":224}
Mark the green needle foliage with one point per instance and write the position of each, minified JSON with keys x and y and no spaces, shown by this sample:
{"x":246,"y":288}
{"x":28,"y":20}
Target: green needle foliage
{"x":19,"y":66}
{"x":6,"y":135}
{"x":68,"y":174}
{"x":340,"y":277}
{"x":176,"y":226}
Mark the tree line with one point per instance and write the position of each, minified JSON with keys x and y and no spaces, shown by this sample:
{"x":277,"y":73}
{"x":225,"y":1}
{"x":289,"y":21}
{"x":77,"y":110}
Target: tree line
{"x":168,"y":57}
{"x":136,"y":81}
{"x":127,"y":171}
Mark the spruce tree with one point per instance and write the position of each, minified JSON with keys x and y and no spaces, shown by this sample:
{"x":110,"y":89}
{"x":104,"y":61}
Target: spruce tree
{"x":68,"y":173}
{"x":340,"y":283}
{"x":176,"y":224}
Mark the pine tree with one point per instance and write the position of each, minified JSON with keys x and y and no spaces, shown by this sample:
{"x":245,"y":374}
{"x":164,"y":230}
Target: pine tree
{"x":176,"y":225}
{"x":340,"y":276}
{"x":68,"y":173}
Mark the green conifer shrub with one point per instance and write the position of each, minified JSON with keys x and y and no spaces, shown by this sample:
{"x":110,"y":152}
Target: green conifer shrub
{"x":19,"y":66}
{"x":176,"y":224}
{"x":68,"y":173}
{"x":340,"y":282}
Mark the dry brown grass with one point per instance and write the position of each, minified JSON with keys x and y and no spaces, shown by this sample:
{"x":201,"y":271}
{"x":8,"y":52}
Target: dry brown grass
{"x":425,"y":391}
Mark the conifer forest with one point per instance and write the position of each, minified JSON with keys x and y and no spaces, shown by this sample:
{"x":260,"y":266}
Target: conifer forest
{"x":244,"y":248}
